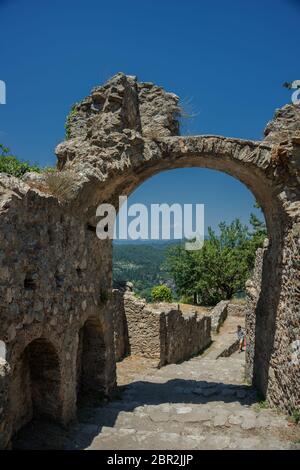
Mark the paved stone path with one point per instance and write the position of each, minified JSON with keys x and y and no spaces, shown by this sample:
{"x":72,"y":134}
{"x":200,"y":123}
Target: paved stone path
{"x":199,"y":404}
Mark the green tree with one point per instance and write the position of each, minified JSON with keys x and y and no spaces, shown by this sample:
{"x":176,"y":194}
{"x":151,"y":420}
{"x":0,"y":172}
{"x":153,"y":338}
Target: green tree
{"x":259,"y":230}
{"x":161,"y":294}
{"x":258,"y":234}
{"x":182,"y":267}
{"x":220,"y":269}
{"x":222,"y":264}
{"x":11,"y":165}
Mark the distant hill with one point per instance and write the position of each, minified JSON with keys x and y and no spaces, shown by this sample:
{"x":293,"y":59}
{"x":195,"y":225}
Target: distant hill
{"x":142,"y":264}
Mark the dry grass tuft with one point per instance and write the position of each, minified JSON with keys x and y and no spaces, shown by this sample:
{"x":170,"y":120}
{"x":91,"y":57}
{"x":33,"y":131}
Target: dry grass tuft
{"x":185,"y":109}
{"x":60,"y":184}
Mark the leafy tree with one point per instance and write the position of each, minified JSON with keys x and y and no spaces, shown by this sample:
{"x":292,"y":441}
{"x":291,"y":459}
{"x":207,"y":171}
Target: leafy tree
{"x":257,"y":235}
{"x":221,"y":268}
{"x":182,"y":266}
{"x":161,"y":294}
{"x":222,"y":265}
{"x":259,"y":230}
{"x":11,"y":165}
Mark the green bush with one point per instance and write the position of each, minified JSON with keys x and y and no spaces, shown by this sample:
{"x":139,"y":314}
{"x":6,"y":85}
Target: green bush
{"x":161,"y":294}
{"x":12,"y":166}
{"x":72,"y":113}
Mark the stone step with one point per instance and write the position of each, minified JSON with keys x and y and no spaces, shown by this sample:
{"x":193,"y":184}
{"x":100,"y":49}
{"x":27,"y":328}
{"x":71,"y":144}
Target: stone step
{"x":130,"y":439}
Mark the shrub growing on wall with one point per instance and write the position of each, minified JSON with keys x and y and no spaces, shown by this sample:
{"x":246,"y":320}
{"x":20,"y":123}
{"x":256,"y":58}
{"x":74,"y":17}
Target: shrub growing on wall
{"x":11,"y":165}
{"x":161,"y":294}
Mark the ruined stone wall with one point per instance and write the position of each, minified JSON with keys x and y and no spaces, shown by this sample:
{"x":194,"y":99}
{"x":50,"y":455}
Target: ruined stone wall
{"x":224,"y":309}
{"x":253,"y":287}
{"x":144,"y":326}
{"x":55,"y":274}
{"x":284,"y":371}
{"x":219,"y":315}
{"x":186,"y":335}
{"x":129,"y":133}
{"x":280,"y":350}
{"x":53,"y":270}
{"x":162,"y":331}
{"x":236,"y":309}
{"x":121,"y":340}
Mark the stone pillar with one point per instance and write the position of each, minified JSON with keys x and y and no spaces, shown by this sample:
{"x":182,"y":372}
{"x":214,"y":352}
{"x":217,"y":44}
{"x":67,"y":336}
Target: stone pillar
{"x":253,"y":287}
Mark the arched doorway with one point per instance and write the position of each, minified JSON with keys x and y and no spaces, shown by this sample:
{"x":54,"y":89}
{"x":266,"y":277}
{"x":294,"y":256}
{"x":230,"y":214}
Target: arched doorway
{"x":36,"y":384}
{"x":90,"y":361}
{"x":143,"y":261}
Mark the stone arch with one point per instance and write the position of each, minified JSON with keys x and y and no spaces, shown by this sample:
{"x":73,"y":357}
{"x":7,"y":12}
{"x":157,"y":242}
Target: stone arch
{"x":247,"y":161}
{"x":36,"y":383}
{"x":91,"y":360}
{"x":127,"y":131}
{"x":277,"y":219}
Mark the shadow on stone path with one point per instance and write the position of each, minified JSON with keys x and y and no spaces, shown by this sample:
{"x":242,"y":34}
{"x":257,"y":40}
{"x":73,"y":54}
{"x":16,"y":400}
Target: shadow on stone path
{"x":198,"y":404}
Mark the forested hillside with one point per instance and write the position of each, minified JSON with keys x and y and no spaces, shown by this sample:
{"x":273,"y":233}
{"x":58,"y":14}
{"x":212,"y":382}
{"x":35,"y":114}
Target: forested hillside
{"x":142,"y":264}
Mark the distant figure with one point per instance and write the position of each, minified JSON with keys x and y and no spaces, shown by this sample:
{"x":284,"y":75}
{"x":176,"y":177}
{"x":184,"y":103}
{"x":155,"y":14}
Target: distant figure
{"x":241,"y":337}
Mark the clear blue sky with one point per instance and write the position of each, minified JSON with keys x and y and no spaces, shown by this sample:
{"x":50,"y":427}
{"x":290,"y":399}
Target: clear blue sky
{"x":229,"y":58}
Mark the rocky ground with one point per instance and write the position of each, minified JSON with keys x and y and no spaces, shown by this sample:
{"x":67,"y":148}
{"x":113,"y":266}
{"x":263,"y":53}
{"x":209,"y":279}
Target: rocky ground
{"x":202,"y":403}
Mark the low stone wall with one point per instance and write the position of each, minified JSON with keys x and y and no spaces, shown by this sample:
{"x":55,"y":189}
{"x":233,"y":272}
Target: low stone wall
{"x":219,"y":315}
{"x":145,"y":327}
{"x":159,"y":331}
{"x":236,"y":310}
{"x":185,"y":335}
{"x":226,"y":309}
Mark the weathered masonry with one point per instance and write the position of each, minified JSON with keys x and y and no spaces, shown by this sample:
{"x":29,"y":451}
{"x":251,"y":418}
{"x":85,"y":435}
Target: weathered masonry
{"x":55,"y":274}
{"x":159,"y":331}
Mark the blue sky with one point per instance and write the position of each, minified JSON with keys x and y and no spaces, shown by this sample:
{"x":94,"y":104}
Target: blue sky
{"x":227,"y":58}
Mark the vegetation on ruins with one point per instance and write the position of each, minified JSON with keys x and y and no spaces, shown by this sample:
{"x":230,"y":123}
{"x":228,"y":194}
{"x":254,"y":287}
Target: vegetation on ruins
{"x":161,"y":293}
{"x":60,"y":184}
{"x":57,"y":183}
{"x":11,"y":165}
{"x":71,"y":114}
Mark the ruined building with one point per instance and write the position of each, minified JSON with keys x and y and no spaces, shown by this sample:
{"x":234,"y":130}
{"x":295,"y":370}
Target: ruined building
{"x":56,"y":276}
